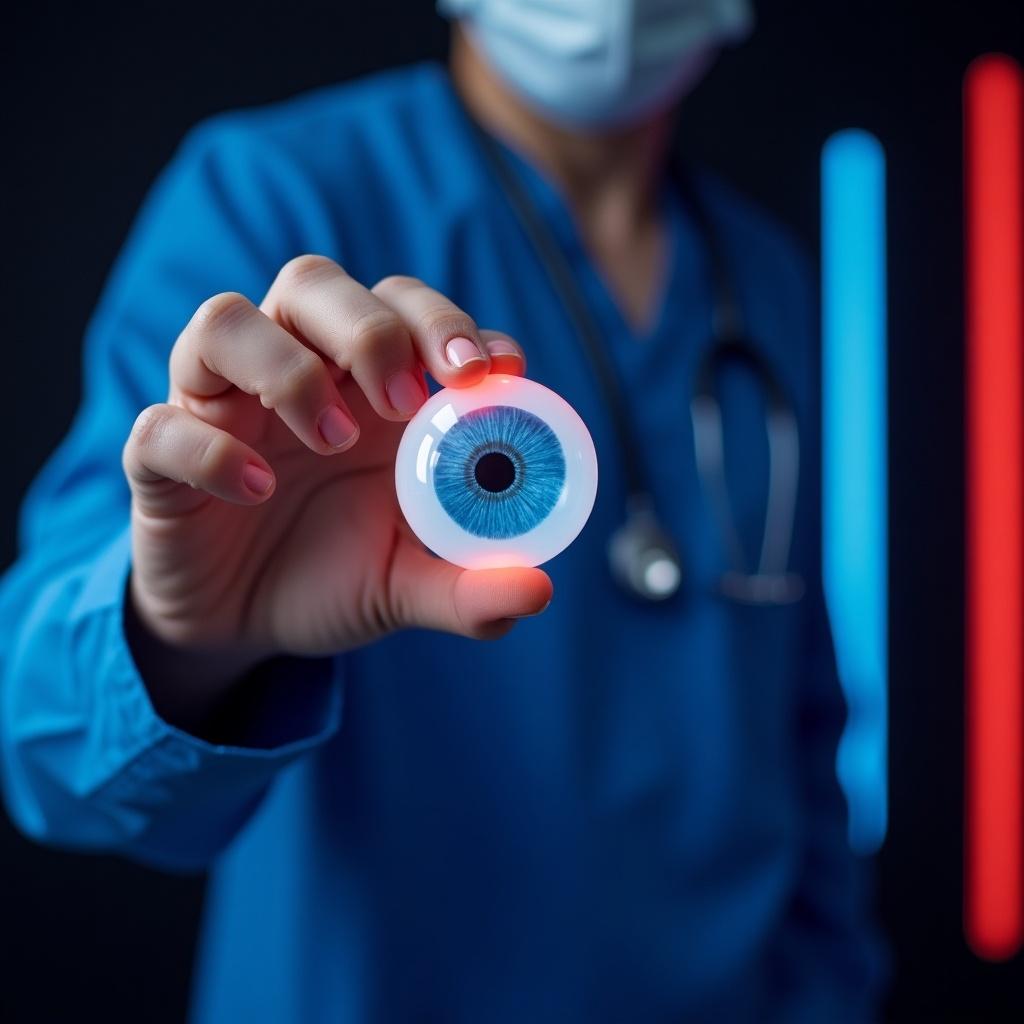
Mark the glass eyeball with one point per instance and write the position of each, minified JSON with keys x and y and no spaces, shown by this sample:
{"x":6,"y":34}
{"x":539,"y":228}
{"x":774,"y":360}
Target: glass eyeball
{"x":496,"y":475}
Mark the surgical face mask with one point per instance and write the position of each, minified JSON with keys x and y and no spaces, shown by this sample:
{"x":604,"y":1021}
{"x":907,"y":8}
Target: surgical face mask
{"x":600,"y":63}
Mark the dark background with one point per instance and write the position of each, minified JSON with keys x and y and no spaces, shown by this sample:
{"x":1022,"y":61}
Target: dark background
{"x":95,"y":102}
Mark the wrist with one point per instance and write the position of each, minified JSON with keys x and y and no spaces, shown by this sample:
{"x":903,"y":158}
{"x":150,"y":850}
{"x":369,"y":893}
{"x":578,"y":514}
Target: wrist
{"x":187,"y":685}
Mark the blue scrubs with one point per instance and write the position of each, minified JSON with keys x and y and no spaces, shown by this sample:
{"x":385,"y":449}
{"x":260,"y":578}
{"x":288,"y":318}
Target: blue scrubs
{"x":618,"y":812}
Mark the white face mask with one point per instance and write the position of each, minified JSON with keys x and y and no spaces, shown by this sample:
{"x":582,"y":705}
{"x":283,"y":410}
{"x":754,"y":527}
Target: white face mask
{"x":600,"y":63}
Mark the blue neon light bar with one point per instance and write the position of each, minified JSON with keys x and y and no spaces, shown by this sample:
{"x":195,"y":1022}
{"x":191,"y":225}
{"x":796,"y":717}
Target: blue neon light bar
{"x":855,"y":465}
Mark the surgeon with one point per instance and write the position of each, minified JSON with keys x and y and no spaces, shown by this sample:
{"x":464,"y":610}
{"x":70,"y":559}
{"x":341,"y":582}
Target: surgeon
{"x":425,"y":793}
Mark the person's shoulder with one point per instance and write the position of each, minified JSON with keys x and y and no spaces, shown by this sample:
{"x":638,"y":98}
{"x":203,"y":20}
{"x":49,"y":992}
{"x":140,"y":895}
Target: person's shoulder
{"x":393,"y":92}
{"x":319,"y":128}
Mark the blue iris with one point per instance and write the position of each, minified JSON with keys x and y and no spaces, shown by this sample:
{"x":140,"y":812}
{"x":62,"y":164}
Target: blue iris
{"x":499,"y":472}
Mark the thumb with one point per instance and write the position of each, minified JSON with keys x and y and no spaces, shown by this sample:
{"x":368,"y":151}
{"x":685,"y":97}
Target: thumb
{"x":430,"y":593}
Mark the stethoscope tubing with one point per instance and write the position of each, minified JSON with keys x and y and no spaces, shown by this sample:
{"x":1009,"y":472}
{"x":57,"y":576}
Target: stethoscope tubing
{"x":642,"y":541}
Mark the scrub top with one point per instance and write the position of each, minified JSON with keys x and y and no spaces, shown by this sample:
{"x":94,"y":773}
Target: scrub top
{"x":621,"y":811}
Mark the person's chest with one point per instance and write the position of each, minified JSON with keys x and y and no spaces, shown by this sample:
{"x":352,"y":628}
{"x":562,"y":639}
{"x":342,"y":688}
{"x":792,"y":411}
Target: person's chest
{"x":695,"y":671}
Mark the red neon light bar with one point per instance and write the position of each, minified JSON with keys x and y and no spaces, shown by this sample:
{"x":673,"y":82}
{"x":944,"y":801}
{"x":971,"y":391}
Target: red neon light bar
{"x":994,"y":783}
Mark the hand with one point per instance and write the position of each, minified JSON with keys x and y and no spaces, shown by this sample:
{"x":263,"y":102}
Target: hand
{"x":264,"y":516}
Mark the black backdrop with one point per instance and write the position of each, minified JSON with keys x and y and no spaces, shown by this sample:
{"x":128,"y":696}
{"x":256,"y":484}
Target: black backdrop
{"x":96,"y":100}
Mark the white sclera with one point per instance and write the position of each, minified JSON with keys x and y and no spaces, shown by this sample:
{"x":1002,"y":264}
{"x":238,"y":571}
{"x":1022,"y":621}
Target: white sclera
{"x":417,"y":458}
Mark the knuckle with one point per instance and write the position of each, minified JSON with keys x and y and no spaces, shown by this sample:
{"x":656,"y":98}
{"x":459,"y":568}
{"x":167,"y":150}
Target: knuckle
{"x":220,"y":313}
{"x":302,"y":271}
{"x":143,"y":438}
{"x":302,"y":374}
{"x":443,"y":323}
{"x":373,"y":329}
{"x":396,"y":282}
{"x":148,"y":426}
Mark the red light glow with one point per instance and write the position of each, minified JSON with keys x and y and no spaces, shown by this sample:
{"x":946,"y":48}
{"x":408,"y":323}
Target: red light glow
{"x":994,"y":811}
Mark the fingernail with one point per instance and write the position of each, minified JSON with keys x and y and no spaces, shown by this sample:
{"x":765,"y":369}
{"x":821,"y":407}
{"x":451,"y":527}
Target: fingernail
{"x":461,"y":351}
{"x":336,"y":428}
{"x":256,"y":478}
{"x":500,"y":347}
{"x":405,"y":393}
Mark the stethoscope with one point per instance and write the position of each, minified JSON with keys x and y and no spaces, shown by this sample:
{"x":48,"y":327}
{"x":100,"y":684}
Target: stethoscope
{"x":642,"y":556}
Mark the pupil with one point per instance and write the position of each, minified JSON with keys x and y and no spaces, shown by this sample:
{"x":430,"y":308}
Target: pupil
{"x":495,"y":472}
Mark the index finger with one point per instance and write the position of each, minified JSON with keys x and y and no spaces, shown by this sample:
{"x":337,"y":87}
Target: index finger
{"x":316,"y":300}
{"x":446,"y":337}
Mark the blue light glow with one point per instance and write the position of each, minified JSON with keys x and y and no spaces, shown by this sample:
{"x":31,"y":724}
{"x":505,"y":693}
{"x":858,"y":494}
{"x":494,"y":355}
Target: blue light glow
{"x":855,"y":465}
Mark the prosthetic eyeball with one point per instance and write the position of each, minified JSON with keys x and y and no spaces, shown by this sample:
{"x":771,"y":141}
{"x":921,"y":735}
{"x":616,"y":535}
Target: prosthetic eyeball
{"x":500,"y":474}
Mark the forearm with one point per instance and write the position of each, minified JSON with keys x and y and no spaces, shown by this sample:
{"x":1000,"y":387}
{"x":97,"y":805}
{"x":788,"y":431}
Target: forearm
{"x":88,"y":761}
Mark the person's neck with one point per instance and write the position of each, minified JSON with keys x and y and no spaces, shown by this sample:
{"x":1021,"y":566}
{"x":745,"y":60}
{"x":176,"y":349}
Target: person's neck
{"x":608,"y":178}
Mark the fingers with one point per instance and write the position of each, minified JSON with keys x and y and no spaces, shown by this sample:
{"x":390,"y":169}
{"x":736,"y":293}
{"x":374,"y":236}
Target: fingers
{"x":168,"y":443}
{"x":229,"y":342}
{"x":454,"y":350}
{"x":316,"y":300}
{"x":506,"y":355}
{"x":314,"y":312}
{"x":430,"y":593}
{"x":446,"y":339}
{"x":385,"y":336}
{"x":485,"y":600}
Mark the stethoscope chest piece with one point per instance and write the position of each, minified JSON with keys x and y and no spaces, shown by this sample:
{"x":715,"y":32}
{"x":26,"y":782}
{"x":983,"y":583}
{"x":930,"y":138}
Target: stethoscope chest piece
{"x":643,"y":559}
{"x":642,"y":556}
